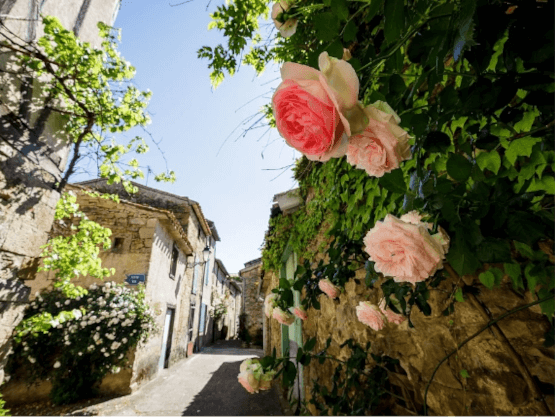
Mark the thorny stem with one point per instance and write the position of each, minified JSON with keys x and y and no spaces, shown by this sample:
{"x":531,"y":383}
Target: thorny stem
{"x":487,"y":326}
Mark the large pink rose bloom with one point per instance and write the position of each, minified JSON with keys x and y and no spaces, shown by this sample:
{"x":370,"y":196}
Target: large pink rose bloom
{"x":390,"y":315}
{"x":289,"y":27}
{"x":328,"y":288}
{"x":311,"y":107}
{"x":370,"y":315}
{"x":381,"y":146}
{"x":405,"y":251}
{"x":248,"y":381}
{"x":283,"y":317}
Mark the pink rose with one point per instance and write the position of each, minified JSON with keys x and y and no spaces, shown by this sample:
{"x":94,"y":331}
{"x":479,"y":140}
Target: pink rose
{"x":289,"y":27}
{"x":390,"y":315}
{"x":248,"y":381}
{"x":370,"y":315}
{"x":327,"y":287}
{"x":309,"y":105}
{"x":300,"y":312}
{"x":405,"y":251}
{"x":269,"y":304}
{"x":283,"y":316}
{"x":413,"y":217}
{"x":381,"y":146}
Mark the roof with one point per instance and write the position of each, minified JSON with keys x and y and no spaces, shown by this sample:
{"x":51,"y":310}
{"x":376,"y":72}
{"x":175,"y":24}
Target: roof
{"x":222,"y":267}
{"x":213,"y":230}
{"x":253,"y":262}
{"x":186,"y":200}
{"x":172,"y":220}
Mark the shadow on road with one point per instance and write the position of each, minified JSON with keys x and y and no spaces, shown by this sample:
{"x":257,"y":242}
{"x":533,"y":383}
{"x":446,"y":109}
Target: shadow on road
{"x":224,"y":396}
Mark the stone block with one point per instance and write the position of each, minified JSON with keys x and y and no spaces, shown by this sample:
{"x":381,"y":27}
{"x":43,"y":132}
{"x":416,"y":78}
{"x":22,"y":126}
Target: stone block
{"x":151,"y":223}
{"x":146,"y":232}
{"x":137,"y":220}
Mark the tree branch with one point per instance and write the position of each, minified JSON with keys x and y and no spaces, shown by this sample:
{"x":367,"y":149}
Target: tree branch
{"x":71,"y":168}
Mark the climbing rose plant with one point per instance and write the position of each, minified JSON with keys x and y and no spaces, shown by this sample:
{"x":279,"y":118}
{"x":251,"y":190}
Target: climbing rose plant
{"x":465,"y":187}
{"x":75,"y":351}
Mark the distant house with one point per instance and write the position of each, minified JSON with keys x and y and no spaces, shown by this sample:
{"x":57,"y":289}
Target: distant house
{"x":229,"y":291}
{"x":161,"y":239}
{"x":253,"y":300}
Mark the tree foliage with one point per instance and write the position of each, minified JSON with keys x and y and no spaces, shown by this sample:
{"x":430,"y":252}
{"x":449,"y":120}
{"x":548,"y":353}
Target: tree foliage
{"x":91,"y":90}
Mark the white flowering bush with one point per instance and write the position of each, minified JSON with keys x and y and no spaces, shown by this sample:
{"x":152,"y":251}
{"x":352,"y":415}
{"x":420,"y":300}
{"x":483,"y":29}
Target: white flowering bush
{"x":218,"y":309}
{"x":81,"y":347}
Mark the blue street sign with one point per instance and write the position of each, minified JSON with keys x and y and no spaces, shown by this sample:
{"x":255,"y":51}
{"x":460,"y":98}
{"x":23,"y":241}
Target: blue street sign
{"x":134,"y":279}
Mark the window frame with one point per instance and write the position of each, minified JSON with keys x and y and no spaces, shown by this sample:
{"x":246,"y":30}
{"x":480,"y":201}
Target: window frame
{"x":173,"y":261}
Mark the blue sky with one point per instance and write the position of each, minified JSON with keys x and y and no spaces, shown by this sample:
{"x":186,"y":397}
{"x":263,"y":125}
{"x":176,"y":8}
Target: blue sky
{"x":235,"y":187}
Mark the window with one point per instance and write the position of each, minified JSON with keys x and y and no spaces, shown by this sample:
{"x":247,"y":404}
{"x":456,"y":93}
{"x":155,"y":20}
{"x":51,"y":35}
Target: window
{"x":117,"y":246}
{"x":195,"y":278}
{"x":191,"y":321}
{"x":173,"y":267}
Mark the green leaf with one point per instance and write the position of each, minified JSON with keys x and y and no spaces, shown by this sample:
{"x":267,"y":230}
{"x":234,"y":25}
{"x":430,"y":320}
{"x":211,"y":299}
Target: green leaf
{"x":531,"y":277}
{"x":335,"y":49}
{"x":520,"y":147}
{"x":548,"y":307}
{"x":547,"y":184}
{"x":458,"y":167}
{"x":459,"y":295}
{"x":340,"y":9}
{"x":394,"y":181}
{"x":488,"y":279}
{"x":461,"y":257}
{"x":284,"y":283}
{"x":327,"y":26}
{"x":309,"y":345}
{"x":494,"y":250}
{"x":513,"y":271}
{"x":490,"y":161}
{"x":464,"y":373}
{"x":394,"y":16}
{"x":350,"y":32}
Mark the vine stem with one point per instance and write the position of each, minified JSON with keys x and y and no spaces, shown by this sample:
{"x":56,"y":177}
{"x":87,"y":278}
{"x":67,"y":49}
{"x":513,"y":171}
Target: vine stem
{"x":487,"y":326}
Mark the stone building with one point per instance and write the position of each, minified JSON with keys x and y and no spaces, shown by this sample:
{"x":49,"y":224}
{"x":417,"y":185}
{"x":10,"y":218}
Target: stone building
{"x":496,"y":384}
{"x":228,"y":290}
{"x":189,"y":215}
{"x":151,"y":244}
{"x":253,"y":300}
{"x":33,"y":149}
{"x":206,"y":323}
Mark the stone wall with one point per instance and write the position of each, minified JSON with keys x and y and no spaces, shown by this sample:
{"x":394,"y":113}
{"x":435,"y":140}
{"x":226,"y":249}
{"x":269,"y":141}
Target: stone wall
{"x":33,"y":153}
{"x":252,"y":305}
{"x":495,"y":385}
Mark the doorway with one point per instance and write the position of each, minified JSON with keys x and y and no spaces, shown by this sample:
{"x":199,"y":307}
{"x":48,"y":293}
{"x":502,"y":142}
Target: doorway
{"x":167,"y":339}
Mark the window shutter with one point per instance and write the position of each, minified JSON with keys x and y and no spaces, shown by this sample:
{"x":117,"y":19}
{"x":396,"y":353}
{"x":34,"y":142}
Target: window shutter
{"x":195,"y":279}
{"x":202,"y":317}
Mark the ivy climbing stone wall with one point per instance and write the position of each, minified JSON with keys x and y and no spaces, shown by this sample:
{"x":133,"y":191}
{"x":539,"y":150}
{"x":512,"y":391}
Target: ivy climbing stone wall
{"x":494,"y":385}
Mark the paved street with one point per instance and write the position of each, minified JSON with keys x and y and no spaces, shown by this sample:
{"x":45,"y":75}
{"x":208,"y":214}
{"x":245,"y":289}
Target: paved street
{"x":204,"y":385}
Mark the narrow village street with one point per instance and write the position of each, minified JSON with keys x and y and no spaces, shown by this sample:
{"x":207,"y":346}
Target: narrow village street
{"x":204,"y":385}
